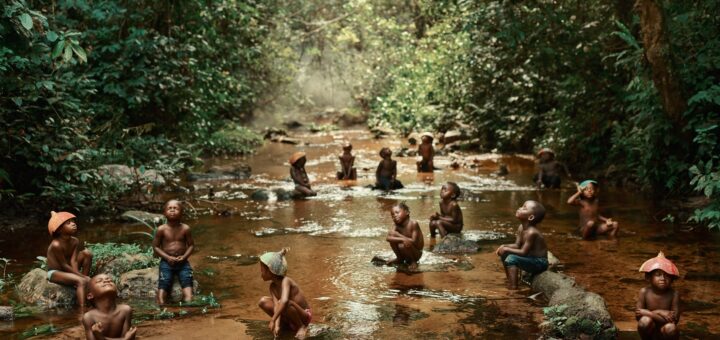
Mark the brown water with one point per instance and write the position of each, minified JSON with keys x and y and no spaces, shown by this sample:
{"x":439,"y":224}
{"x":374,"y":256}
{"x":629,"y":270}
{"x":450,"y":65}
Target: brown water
{"x":333,"y":237}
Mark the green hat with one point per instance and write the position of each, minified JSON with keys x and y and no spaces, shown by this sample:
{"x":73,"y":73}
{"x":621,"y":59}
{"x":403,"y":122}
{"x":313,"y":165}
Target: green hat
{"x":586,"y":182}
{"x":275,"y":261}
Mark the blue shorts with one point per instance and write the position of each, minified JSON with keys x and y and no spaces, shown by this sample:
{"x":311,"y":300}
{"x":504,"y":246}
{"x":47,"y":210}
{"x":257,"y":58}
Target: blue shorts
{"x":167,"y":274}
{"x":532,"y":265}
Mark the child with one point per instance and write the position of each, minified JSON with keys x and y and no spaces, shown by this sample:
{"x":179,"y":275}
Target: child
{"x":286,"y":304}
{"x":298,"y":174}
{"x":65,"y":257}
{"x":529,"y":252}
{"x":658,"y":310}
{"x":405,"y":238}
{"x":386,"y":172}
{"x":106,"y":320}
{"x":426,"y":151}
{"x":591,"y":222}
{"x":549,"y":174}
{"x":346,"y":161}
{"x":450,"y":218}
{"x":174,"y":244}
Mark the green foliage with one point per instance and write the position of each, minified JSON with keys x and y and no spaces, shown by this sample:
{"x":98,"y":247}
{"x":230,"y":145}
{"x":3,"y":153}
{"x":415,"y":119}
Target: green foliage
{"x":5,"y":278}
{"x":104,"y":253}
{"x":39,"y":330}
{"x":572,"y":327}
{"x":202,"y":301}
{"x":232,"y":140}
{"x":144,"y":84}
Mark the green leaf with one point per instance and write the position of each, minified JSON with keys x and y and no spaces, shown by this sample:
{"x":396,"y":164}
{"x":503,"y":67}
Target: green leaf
{"x":58,"y":49}
{"x":68,"y":53}
{"x":51,"y":36}
{"x":26,"y":21}
{"x":80,"y":52}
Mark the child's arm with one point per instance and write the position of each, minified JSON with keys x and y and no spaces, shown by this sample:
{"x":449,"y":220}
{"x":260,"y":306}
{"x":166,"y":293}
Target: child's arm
{"x":295,"y":174}
{"x":393,"y":170}
{"x":190,"y":246}
{"x":416,"y":236}
{"x":527,"y":245}
{"x":575,"y":198}
{"x":157,"y":246}
{"x":379,"y":169}
{"x":281,"y":303}
{"x":676,"y":306}
{"x":57,"y":253}
{"x":641,"y":310}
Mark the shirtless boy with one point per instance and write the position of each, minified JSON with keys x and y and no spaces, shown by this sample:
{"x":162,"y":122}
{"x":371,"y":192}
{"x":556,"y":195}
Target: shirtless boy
{"x":347,"y":160}
{"x":405,"y":237}
{"x":174,"y":244}
{"x":591,"y":222}
{"x":529,"y":252}
{"x":67,"y":263}
{"x":107,"y":320}
{"x":658,"y":305}
{"x":386,"y":172}
{"x":450,"y":218}
{"x":426,"y":151}
{"x":549,"y":170}
{"x":286,"y":304}
{"x":298,"y":174}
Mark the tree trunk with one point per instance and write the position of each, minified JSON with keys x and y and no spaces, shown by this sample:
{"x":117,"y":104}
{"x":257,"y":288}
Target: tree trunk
{"x":657,"y":51}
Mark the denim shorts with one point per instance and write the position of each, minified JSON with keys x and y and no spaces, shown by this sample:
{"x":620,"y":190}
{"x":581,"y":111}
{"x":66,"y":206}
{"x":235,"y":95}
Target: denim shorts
{"x":167,"y":274}
{"x":532,"y":265}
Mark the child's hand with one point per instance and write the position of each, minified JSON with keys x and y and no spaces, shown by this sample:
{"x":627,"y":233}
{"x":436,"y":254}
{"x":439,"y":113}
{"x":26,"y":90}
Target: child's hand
{"x":276,"y":329}
{"x":97,"y":328}
{"x":179,"y":259}
{"x":500,"y":251}
{"x":407,"y":244}
{"x":666,"y":315}
{"x":131,"y":333}
{"x":638,"y":314}
{"x":271,"y":325}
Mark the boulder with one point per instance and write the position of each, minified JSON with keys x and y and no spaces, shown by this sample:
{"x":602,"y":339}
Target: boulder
{"x":347,"y":118}
{"x":124,"y":263}
{"x":456,"y":244}
{"x":286,"y":140}
{"x":143,"y":283}
{"x":222,"y":172}
{"x":451,"y":136}
{"x":293,"y":124}
{"x":414,"y":138}
{"x":270,"y":133}
{"x":7,"y":313}
{"x":138,"y":215}
{"x":128,"y":175}
{"x":35,"y":289}
{"x":381,"y":131}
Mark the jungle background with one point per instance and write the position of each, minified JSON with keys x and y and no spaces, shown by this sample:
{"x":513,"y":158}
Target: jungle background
{"x":626,"y":91}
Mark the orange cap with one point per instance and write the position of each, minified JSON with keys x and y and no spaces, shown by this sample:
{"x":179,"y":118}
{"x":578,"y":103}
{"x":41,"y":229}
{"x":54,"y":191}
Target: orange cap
{"x":57,"y":219}
{"x":294,"y":158}
{"x":662,"y":263}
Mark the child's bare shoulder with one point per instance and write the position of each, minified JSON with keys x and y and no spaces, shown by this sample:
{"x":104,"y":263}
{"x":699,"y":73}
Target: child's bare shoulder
{"x":124,"y":309}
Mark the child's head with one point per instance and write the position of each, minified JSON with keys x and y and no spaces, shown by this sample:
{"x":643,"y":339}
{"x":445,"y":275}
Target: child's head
{"x":400,"y":213}
{"x":298,"y":159}
{"x":660,"y":271}
{"x":589,"y":188}
{"x":531,"y":211}
{"x":101,"y":286}
{"x":347,"y":147}
{"x":546,"y":154}
{"x":61,"y":223}
{"x":273,"y":264}
{"x":173,"y":210}
{"x":450,"y":190}
{"x":385,"y":153}
{"x":426,"y":138}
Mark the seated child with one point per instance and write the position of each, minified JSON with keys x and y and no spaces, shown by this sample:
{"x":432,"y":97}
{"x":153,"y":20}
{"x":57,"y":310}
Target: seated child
{"x":67,"y":263}
{"x":286,"y":304}
{"x":426,"y":151}
{"x":298,"y":174}
{"x":549,"y":170}
{"x":347,"y":160}
{"x":386,"y":172}
{"x":173,"y":243}
{"x":405,"y":238}
{"x":591,"y":222}
{"x":450,"y":218}
{"x":529,"y":252}
{"x":658,"y":311}
{"x":106,"y":320}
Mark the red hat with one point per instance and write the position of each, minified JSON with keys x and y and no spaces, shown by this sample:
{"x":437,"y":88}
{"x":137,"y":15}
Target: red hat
{"x":296,"y":156}
{"x":57,"y":219}
{"x":662,"y":263}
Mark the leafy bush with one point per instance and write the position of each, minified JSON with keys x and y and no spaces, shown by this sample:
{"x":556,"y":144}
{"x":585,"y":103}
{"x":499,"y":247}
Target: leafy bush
{"x":232,"y":140}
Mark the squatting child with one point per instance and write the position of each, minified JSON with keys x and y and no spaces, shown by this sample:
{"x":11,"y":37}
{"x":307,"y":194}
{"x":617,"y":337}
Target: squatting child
{"x":286,"y":304}
{"x":549,"y":170}
{"x":426,"y":152}
{"x":68,"y":264}
{"x":450,"y":218}
{"x":107,"y":320}
{"x":298,"y":174}
{"x":347,"y":160}
{"x":405,"y":237}
{"x":173,"y":243}
{"x":591,"y":222}
{"x":529,"y":252}
{"x":658,"y":305}
{"x":386,"y":172}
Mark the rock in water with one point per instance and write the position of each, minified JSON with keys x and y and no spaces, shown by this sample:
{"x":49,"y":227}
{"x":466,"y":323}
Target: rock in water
{"x":143,"y":283}
{"x":456,"y":244}
{"x":222,"y":172}
{"x":35,"y":289}
{"x":123,"y":263}
{"x":7,"y":313}
{"x":137,"y":215}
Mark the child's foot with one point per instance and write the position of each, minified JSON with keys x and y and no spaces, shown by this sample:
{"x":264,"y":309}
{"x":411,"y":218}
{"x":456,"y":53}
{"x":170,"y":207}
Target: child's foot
{"x":413,"y":267}
{"x":301,"y":333}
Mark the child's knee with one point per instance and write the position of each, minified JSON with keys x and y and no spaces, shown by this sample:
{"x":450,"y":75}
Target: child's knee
{"x":590,"y":224}
{"x":87,"y":253}
{"x":265,"y":302}
{"x":646,"y":323}
{"x":669,"y":329}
